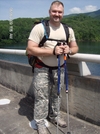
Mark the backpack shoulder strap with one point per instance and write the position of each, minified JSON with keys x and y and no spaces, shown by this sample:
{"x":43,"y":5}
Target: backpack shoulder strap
{"x":46,"y":32}
{"x":46,"y":28}
{"x":66,"y":31}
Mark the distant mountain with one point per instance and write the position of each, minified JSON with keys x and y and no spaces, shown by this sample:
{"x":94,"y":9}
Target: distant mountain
{"x":95,"y":14}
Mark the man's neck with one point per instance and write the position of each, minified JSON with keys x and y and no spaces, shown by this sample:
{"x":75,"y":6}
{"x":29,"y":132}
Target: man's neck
{"x":54,"y":24}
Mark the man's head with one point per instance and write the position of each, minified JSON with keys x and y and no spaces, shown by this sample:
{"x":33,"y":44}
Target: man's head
{"x":56,"y":11}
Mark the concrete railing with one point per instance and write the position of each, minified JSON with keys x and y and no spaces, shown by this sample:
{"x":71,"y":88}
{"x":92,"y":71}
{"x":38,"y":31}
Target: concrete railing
{"x":84,"y":90}
{"x":76,"y":61}
{"x":77,"y":57}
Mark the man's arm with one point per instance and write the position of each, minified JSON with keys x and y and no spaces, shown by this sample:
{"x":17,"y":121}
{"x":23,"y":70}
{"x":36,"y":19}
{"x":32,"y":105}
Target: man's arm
{"x":73,"y":47}
{"x":34,"y":49}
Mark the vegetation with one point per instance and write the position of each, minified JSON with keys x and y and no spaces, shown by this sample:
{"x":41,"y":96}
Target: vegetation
{"x":86,"y":28}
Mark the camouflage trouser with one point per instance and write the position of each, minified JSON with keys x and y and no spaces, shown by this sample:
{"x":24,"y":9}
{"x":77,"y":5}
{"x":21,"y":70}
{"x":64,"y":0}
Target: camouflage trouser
{"x":45,"y":92}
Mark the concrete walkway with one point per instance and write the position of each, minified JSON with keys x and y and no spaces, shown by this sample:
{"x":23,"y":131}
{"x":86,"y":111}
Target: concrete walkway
{"x":16,"y":116}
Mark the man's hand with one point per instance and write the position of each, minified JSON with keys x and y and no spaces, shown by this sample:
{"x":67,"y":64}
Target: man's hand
{"x":66,"y":49}
{"x":61,"y":49}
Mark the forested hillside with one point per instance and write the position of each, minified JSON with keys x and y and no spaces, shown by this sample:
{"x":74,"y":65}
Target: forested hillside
{"x":86,"y":28}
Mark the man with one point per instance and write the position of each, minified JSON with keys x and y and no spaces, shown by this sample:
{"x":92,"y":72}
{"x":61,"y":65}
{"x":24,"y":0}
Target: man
{"x":45,"y":79}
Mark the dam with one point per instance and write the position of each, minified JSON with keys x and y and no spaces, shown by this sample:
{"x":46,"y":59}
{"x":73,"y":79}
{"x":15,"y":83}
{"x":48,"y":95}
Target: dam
{"x":84,"y":93}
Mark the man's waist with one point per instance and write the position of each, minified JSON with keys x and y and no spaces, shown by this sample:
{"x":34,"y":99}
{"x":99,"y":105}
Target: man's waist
{"x":40,"y":64}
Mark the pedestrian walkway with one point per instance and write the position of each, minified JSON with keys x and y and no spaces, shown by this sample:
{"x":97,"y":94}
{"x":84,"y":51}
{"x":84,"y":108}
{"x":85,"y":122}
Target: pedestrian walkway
{"x":17,"y":115}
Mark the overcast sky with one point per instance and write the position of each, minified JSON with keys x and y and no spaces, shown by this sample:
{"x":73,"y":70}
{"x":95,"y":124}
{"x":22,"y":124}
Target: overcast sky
{"x":39,"y":8}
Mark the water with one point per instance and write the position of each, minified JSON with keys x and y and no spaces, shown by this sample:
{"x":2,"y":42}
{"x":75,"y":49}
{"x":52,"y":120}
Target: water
{"x":12,"y":57}
{"x":89,"y":47}
{"x":84,"y":47}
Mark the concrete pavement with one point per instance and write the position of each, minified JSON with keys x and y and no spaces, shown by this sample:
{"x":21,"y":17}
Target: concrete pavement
{"x":16,"y":116}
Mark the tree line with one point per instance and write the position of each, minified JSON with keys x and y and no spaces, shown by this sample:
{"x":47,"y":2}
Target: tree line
{"x":86,"y":29}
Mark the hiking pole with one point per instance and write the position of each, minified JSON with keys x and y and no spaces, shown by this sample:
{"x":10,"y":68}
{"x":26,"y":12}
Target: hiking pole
{"x":58,"y":91}
{"x":66,"y":87}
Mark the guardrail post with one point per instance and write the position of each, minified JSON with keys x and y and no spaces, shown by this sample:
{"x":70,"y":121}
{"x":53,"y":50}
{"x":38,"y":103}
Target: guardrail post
{"x":79,"y":68}
{"x":83,"y":68}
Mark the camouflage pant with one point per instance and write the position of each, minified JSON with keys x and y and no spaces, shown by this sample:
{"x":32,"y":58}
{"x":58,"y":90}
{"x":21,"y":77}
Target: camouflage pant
{"x":45,"y":92}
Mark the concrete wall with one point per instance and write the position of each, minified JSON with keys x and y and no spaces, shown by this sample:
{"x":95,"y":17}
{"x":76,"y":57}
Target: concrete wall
{"x":84,"y":91}
{"x":84,"y":98}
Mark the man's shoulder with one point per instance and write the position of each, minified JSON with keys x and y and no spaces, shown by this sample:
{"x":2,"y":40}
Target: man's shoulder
{"x":66,"y":26}
{"x":38,"y":27}
{"x":70,"y":29}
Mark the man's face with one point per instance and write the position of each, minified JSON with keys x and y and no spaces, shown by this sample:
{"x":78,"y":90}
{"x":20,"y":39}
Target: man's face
{"x":56,"y":12}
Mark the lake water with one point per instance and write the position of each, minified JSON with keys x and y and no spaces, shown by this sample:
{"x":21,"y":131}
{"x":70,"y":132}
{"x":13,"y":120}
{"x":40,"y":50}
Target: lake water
{"x":89,"y":47}
{"x":84,"y":47}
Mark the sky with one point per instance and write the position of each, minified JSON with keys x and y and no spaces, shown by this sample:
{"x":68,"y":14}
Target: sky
{"x":12,"y":9}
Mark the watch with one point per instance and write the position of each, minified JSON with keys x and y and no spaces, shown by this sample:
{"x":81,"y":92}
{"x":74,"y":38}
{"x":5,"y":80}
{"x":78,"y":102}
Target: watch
{"x":70,"y":51}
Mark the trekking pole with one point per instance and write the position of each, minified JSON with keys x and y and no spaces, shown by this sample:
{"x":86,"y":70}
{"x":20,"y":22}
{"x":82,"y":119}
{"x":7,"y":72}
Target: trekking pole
{"x":66,"y":87}
{"x":58,"y":91}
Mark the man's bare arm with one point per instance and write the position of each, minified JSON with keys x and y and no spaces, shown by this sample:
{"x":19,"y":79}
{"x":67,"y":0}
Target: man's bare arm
{"x":34,"y":49}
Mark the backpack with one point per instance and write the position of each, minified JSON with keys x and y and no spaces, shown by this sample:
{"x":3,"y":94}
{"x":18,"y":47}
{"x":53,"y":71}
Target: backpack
{"x":31,"y":58}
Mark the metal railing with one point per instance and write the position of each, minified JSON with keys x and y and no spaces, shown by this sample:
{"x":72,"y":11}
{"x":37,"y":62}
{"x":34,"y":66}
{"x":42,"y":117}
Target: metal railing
{"x":76,"y":57}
